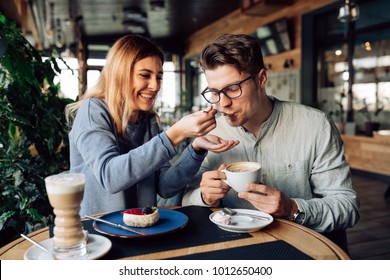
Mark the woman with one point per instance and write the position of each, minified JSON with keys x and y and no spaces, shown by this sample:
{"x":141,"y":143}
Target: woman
{"x":115,"y":138}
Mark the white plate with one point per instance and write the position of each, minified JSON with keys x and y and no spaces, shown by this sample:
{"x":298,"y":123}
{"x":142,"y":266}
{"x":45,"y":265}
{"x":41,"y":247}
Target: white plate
{"x":244,"y":223}
{"x":97,"y":246}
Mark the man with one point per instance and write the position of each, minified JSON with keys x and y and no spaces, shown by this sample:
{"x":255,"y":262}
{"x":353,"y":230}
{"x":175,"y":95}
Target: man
{"x":304,"y":176}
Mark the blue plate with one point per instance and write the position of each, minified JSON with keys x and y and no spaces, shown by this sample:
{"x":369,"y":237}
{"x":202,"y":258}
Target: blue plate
{"x":170,"y":220}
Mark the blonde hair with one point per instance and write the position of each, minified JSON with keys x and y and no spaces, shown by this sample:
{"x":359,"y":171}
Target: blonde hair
{"x":115,"y":81}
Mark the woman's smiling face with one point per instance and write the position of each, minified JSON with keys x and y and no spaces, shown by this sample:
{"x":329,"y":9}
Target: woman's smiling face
{"x":146,"y":82}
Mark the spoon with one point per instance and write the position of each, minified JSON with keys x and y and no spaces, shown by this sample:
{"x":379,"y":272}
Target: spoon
{"x":231,"y":212}
{"x":39,"y":245}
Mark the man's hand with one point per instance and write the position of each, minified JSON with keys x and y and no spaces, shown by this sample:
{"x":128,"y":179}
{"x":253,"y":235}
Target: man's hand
{"x":213,"y":189}
{"x":270,"y":200}
{"x":213,"y":143}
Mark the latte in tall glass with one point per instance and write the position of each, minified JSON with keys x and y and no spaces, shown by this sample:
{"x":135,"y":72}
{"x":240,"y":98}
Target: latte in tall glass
{"x":65,"y":192}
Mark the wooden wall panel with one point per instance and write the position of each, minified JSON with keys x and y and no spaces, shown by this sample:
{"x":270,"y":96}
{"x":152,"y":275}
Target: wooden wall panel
{"x":236,"y":22}
{"x":369,"y":154}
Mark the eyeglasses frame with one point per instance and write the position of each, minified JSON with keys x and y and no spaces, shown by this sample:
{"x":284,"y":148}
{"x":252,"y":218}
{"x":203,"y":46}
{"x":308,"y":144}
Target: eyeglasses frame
{"x":223,"y":90}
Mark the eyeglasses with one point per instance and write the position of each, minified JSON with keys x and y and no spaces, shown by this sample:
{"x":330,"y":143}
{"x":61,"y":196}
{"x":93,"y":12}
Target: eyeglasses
{"x":231,"y":91}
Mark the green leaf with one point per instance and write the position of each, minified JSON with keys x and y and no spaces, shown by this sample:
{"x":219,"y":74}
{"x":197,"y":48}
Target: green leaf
{"x":33,"y":213}
{"x":23,"y":202}
{"x":4,"y":217}
{"x":18,"y":177}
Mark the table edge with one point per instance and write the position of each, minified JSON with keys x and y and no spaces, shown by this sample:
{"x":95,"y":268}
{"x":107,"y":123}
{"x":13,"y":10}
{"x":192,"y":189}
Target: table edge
{"x":339,"y":252}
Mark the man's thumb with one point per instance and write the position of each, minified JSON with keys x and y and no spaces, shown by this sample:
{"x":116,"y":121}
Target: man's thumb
{"x":222,"y":167}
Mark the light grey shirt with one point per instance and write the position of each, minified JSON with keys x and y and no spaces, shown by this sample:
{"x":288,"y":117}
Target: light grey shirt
{"x":302,"y":155}
{"x":123,"y":174}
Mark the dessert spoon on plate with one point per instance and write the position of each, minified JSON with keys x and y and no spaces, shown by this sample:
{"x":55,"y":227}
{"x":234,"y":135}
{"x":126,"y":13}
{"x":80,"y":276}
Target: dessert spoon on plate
{"x":115,"y":225}
{"x":38,"y":245}
{"x":231,"y":212}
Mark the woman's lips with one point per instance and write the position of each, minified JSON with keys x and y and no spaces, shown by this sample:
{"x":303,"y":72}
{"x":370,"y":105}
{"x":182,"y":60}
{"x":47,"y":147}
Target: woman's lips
{"x":148,"y":96}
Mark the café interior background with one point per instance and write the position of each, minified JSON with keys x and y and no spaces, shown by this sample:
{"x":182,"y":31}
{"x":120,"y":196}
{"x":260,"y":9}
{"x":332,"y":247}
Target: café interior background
{"x":306,"y":63}
{"x":329,"y":54}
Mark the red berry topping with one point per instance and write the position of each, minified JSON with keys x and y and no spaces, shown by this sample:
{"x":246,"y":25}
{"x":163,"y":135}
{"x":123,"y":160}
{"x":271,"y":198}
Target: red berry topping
{"x":134,"y":211}
{"x":137,"y":211}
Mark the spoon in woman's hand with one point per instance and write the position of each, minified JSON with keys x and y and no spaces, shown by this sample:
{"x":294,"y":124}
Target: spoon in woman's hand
{"x":39,"y":245}
{"x":231,"y":212}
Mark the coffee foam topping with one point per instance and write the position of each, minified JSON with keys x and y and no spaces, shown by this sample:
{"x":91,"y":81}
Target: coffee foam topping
{"x":252,"y":166}
{"x":65,"y":183}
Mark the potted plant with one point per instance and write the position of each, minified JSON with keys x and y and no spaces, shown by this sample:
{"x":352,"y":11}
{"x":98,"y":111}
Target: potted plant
{"x":371,"y":117}
{"x":336,"y":113}
{"x":33,"y":134}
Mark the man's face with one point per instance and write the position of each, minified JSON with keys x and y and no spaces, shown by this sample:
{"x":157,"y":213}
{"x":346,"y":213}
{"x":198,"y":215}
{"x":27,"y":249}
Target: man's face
{"x":243,"y":109}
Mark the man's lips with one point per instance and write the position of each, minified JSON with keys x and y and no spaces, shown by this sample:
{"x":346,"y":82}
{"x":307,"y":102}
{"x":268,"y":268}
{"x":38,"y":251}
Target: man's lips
{"x":229,"y":115}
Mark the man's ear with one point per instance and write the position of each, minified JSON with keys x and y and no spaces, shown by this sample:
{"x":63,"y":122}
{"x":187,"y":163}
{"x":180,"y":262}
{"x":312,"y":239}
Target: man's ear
{"x":262,"y":78}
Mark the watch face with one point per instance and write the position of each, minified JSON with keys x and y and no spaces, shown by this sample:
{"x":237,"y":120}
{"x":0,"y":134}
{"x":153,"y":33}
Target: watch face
{"x":300,"y":218}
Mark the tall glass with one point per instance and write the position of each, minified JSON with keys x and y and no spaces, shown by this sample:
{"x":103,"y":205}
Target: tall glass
{"x":65,"y":192}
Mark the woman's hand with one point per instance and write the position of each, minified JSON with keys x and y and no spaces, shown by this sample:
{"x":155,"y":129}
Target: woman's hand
{"x":193,"y":125}
{"x":213,"y":143}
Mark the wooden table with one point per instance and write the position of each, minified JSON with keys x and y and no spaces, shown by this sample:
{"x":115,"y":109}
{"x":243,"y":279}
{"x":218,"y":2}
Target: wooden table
{"x":305,"y":240}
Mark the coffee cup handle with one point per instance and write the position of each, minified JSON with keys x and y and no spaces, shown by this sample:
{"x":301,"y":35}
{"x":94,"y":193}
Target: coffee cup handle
{"x":225,"y":180}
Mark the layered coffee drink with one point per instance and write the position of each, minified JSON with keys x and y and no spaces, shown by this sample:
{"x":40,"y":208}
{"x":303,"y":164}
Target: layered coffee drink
{"x":65,"y":192}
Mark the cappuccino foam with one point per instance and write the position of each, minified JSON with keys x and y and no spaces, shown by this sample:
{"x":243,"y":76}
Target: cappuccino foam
{"x":65,"y":183}
{"x":242,"y":167}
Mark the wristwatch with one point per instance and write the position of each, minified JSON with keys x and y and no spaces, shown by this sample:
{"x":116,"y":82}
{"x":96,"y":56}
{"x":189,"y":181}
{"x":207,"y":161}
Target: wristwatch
{"x":299,"y":217}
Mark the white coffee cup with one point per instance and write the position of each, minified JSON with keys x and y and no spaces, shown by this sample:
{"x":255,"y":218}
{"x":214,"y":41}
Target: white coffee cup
{"x":240,"y":174}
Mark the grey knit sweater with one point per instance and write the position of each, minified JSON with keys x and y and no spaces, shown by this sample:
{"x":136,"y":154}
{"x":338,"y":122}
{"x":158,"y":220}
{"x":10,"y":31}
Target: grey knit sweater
{"x":123,"y":174}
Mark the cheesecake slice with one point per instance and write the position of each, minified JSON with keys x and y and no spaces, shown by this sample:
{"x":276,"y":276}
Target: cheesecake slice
{"x":141,"y":217}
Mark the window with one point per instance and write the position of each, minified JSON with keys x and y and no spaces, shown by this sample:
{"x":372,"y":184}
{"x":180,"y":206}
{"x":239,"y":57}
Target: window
{"x":168,"y":96}
{"x":167,"y":99}
{"x":370,"y":58}
{"x":68,"y":78}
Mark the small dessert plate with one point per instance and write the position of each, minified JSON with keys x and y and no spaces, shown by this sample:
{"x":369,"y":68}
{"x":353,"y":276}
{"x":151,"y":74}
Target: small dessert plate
{"x":242,"y":223}
{"x":97,"y":246}
{"x":170,"y":221}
